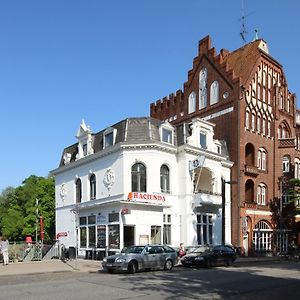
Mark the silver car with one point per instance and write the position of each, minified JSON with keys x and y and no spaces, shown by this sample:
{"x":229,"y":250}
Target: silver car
{"x":138,"y":258}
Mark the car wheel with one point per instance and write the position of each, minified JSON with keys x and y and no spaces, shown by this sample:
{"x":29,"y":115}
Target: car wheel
{"x":207,"y":263}
{"x":229,"y":262}
{"x":168,"y":265}
{"x":132,"y":267}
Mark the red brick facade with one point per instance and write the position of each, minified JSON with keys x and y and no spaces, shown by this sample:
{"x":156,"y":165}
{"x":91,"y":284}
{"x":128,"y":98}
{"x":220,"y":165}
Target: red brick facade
{"x":250,"y":83}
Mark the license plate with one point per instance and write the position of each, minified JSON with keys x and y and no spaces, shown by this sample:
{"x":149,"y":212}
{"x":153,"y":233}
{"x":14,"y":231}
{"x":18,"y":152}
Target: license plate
{"x":109,"y":265}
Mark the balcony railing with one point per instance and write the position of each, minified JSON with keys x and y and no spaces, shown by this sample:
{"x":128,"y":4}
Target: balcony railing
{"x":286,"y":143}
{"x":206,"y":197}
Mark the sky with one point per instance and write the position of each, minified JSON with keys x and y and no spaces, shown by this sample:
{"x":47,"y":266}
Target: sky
{"x":62,"y":61}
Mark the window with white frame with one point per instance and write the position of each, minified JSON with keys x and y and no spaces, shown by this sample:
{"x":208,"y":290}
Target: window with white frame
{"x":192,"y":103}
{"x":247,"y":122}
{"x":164,"y":179}
{"x":261,"y":194}
{"x":264,"y":126}
{"x":167,"y":229}
{"x":109,"y":137}
{"x":78,"y":190}
{"x":253,"y":122}
{"x":285,"y":164}
{"x":297,"y":168}
{"x":204,"y":229}
{"x":214,"y":92}
{"x":93,"y":187}
{"x":203,"y":141}
{"x":262,"y":159}
{"x":138,"y":178}
{"x":167,"y":135}
{"x":258,"y":124}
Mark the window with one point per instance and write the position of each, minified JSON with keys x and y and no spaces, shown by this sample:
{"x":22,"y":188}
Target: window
{"x":92,"y":236}
{"x":204,"y":229}
{"x":258,"y":124}
{"x":202,"y":88}
{"x":92,"y":187}
{"x":297,"y":168}
{"x":247,"y":120}
{"x":83,"y":237}
{"x":264,"y":127}
{"x":192,"y":103}
{"x":253,"y":122}
{"x":78,"y":191}
{"x":286,"y":164}
{"x":164,"y":179}
{"x":261,"y":194}
{"x":285,"y":199}
{"x":167,"y":136}
{"x":138,"y":178}
{"x":167,"y":229}
{"x":203,"y":140}
{"x":113,"y":236}
{"x":214,"y":92}
{"x":84,"y":149}
{"x":155,"y":234}
{"x":262,"y":159}
{"x":108,"y":140}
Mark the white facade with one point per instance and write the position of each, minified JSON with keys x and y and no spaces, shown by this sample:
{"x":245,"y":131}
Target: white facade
{"x":180,"y":200}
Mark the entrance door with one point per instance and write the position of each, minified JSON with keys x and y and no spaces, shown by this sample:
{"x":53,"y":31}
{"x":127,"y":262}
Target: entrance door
{"x":128,"y":235}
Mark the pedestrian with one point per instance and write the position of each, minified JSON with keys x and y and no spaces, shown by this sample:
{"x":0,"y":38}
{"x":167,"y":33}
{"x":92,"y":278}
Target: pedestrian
{"x":4,"y":250}
{"x":181,"y":251}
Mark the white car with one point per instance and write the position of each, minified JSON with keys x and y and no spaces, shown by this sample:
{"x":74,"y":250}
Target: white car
{"x":138,"y":258}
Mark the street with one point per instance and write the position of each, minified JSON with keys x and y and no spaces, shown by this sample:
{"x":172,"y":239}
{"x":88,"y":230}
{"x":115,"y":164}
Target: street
{"x":265,"y":281}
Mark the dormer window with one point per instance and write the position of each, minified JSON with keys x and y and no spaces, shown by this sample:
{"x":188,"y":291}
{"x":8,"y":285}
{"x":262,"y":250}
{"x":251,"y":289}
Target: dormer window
{"x":203,"y":141}
{"x":108,"y":140}
{"x":166,"y":133}
{"x":85,"y":141}
{"x":109,"y":137}
{"x":84,"y":149}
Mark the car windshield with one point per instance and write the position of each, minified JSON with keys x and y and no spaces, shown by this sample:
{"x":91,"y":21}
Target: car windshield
{"x":133,"y":249}
{"x":201,"y":249}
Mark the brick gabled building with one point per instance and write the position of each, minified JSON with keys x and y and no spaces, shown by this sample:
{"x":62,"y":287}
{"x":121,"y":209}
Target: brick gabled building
{"x":245,"y":93}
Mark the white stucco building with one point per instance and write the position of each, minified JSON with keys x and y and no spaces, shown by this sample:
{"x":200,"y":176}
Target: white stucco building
{"x":142,"y":181}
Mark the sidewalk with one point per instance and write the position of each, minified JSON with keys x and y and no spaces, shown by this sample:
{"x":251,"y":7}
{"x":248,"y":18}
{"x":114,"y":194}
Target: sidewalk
{"x":93,"y":266}
{"x":50,"y":266}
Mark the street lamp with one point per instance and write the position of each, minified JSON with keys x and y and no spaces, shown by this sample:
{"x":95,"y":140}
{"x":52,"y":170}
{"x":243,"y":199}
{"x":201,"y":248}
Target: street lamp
{"x":223,"y":206}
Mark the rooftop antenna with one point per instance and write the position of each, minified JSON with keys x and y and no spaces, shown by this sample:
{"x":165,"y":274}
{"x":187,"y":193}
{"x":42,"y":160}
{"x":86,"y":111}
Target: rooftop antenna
{"x":243,"y":31}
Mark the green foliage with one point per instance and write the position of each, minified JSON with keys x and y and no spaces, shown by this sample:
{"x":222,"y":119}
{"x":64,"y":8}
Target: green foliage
{"x":18,"y":210}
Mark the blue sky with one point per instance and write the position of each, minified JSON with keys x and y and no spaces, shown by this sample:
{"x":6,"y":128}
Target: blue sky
{"x":62,"y":61}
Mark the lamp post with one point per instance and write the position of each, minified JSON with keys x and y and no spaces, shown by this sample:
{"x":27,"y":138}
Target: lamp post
{"x":224,"y":206}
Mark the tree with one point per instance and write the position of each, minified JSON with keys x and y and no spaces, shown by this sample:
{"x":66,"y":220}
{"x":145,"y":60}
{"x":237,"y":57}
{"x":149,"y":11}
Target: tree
{"x":18,"y":210}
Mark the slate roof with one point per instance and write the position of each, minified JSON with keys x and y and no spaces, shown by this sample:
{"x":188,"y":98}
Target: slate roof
{"x":132,"y":130}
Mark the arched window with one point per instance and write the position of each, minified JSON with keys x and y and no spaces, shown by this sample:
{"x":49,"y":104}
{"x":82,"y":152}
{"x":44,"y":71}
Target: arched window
{"x":253,"y":122}
{"x":164,"y":179}
{"x":262,"y":159}
{"x":138,"y":178}
{"x":214,"y":92}
{"x":249,"y":191}
{"x":249,"y":153}
{"x":261,"y":194}
{"x":202,"y":88}
{"x":93,"y":187}
{"x":192,"y":103}
{"x":78,"y":191}
{"x":247,"y":121}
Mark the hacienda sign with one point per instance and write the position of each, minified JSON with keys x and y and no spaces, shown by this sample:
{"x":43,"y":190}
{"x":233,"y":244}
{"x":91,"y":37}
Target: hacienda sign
{"x":143,"y":197}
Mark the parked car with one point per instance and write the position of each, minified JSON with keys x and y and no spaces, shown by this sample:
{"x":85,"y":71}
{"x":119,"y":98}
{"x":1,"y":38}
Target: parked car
{"x":138,"y":258}
{"x":210,"y":256}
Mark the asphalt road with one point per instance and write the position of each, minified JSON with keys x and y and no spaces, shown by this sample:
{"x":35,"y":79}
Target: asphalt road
{"x":269,"y":281}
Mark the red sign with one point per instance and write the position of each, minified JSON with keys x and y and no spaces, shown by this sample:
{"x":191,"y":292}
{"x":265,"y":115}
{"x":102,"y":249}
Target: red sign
{"x":61,"y":234}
